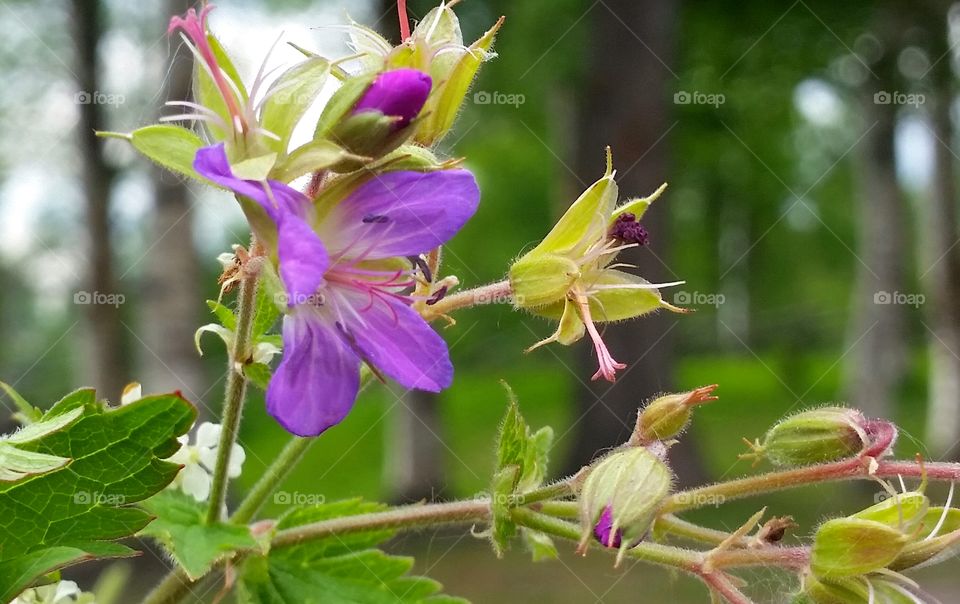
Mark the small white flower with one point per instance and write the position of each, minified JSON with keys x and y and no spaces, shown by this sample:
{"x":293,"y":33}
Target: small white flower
{"x":64,"y":592}
{"x":200,"y":459}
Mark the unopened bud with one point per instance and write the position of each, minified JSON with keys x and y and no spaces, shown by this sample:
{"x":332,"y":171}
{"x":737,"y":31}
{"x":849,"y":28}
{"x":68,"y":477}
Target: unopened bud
{"x":667,"y":416}
{"x":815,"y":436}
{"x":621,"y":497}
{"x":847,"y":547}
{"x":373,"y":117}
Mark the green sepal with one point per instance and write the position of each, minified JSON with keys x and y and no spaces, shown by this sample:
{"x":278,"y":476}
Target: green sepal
{"x":451,"y":85}
{"x":289,"y":98}
{"x":319,"y":154}
{"x":172,"y":147}
{"x":902,"y":511}
{"x":847,"y":547}
{"x":637,"y":207}
{"x":542,"y":279}
{"x":341,"y":103}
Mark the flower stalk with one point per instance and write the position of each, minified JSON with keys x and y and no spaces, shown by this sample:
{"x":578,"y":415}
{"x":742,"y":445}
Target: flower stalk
{"x":236,"y":389}
{"x":493,"y":293}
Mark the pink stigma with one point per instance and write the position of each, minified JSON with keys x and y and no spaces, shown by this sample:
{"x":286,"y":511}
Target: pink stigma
{"x":608,"y":365}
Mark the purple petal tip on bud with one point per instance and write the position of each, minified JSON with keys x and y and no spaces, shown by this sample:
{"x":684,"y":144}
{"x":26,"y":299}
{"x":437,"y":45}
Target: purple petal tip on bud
{"x":882,"y":435}
{"x":603,"y":530}
{"x":400,"y":93}
{"x":627,"y":230}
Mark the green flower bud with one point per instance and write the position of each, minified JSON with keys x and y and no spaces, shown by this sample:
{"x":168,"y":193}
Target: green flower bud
{"x":847,"y":547}
{"x":668,"y":415}
{"x":621,"y":497}
{"x":814,"y":436}
{"x":873,"y":589}
{"x":938,"y":539}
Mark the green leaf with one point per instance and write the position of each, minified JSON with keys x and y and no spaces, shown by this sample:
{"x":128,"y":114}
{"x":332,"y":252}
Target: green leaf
{"x":179,"y":526}
{"x":173,"y":147}
{"x":266,"y":313}
{"x":224,"y":315}
{"x":259,"y":374}
{"x":289,"y":98}
{"x":340,"y":569}
{"x":72,"y":513}
{"x":521,"y":466}
{"x":28,"y":412}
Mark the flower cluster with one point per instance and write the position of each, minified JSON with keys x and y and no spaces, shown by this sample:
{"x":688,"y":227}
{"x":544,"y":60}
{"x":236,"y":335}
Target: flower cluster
{"x":352,"y":247}
{"x":199,"y":460}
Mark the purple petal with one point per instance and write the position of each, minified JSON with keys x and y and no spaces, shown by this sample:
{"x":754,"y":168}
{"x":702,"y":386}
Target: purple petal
{"x":400,"y":93}
{"x":212,"y":163}
{"x":603,"y":529}
{"x":303,"y":259}
{"x":401,"y":213}
{"x":316,"y":383}
{"x":395,"y":339}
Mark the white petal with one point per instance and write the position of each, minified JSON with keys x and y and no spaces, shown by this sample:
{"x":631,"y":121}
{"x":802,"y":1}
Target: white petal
{"x":182,"y":456}
{"x":237,"y":456}
{"x":264,"y":351}
{"x":65,"y":590}
{"x":196,"y":482}
{"x":208,"y":435}
{"x":208,"y":457}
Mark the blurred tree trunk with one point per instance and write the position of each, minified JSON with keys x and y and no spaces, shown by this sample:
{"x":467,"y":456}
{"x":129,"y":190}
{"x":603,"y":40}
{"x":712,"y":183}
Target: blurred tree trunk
{"x":624,"y":105}
{"x":878,"y":357}
{"x":413,"y":467}
{"x":104,"y":333}
{"x":941,"y":266}
{"x":171,"y":296}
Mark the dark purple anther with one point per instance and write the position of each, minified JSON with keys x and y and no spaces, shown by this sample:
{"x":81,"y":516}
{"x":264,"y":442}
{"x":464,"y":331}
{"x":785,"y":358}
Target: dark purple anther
{"x":603,"y":527}
{"x":437,"y":296}
{"x":400,"y":93}
{"x":626,"y":229}
{"x":421,"y":264}
{"x":375,"y":218}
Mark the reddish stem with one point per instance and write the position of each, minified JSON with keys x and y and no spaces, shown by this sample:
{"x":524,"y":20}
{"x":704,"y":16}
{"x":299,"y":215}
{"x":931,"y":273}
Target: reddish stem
{"x":404,"y":22}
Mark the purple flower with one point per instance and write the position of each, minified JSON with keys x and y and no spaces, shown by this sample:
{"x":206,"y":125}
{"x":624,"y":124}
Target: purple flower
{"x":400,"y":93}
{"x":347,"y":294}
{"x":603,"y":530}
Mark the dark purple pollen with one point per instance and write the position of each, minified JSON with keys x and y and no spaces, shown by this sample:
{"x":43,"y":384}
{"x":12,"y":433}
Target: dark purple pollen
{"x":375,"y":218}
{"x":603,"y":527}
{"x":626,"y":229}
{"x":437,"y":296}
{"x":400,"y":93}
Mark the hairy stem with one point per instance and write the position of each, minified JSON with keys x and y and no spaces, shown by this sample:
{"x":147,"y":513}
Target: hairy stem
{"x":717,"y":494}
{"x":494,"y":293}
{"x":406,"y":517}
{"x":235,"y":393}
{"x":174,"y":587}
{"x":279,"y":469}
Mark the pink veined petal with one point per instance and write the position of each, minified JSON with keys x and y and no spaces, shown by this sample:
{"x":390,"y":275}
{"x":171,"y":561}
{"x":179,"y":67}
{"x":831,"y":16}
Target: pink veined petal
{"x":212,"y":163}
{"x":317,"y":381}
{"x":401,"y":213}
{"x":303,"y":260}
{"x":395,"y":339}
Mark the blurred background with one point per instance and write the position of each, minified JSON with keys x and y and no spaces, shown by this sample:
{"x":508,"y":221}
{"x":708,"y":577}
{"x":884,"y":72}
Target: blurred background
{"x":812,"y":213}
